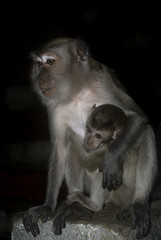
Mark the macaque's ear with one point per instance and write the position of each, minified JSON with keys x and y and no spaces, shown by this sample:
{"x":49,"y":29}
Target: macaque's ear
{"x":116,"y":133}
{"x":82,"y":51}
{"x":93,"y":108}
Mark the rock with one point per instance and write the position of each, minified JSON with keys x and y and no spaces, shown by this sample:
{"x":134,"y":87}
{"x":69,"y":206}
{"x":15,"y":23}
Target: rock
{"x":102,"y":226}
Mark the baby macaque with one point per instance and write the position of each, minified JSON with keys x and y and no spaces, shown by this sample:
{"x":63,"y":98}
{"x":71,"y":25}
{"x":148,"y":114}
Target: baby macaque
{"x":103,"y":126}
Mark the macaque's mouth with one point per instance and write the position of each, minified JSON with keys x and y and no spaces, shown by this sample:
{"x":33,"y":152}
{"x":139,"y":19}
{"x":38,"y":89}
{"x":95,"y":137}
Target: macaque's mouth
{"x":88,"y":149}
{"x":48,"y":92}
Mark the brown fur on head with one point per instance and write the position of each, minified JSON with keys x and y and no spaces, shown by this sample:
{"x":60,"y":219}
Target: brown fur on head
{"x":103,"y":126}
{"x":106,"y":116}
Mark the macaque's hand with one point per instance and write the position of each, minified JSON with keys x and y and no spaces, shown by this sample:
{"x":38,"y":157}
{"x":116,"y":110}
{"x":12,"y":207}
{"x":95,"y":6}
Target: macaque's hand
{"x":111,"y":167}
{"x":31,"y":217}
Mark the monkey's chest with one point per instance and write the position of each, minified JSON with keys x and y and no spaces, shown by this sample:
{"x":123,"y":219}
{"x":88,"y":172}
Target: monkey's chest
{"x":79,"y":110}
{"x":78,"y":123}
{"x":78,"y":113}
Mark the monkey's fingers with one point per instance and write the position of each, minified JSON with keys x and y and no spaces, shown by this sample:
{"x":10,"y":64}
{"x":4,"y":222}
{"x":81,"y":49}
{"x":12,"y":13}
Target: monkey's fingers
{"x":134,"y":223}
{"x":142,"y":228}
{"x":44,"y":219}
{"x":34,"y":229}
{"x":113,"y":178}
{"x":104,"y":180}
{"x":141,"y":220}
{"x":116,"y":182}
{"x":123,"y":213}
{"x":107,"y":181}
{"x":101,"y":167}
{"x":62,"y":213}
{"x":25,"y":223}
{"x":31,"y":224}
{"x":112,"y":175}
{"x":111,"y":183}
{"x":57,"y":225}
{"x":45,"y":216}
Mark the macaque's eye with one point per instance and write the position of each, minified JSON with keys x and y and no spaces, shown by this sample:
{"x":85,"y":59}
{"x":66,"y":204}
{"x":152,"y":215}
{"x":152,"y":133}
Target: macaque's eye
{"x":98,"y":136}
{"x":39,"y":64}
{"x":50,"y":61}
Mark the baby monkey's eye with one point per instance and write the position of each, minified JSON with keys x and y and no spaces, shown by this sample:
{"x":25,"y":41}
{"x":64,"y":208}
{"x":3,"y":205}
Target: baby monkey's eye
{"x":98,"y":136}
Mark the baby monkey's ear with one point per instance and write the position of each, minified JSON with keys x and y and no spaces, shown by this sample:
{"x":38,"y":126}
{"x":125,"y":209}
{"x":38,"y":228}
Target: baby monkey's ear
{"x":93,"y":108}
{"x":116,"y":133}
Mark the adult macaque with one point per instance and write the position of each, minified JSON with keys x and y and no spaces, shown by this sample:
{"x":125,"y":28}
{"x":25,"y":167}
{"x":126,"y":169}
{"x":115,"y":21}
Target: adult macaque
{"x":103,"y":126}
{"x":69,"y":82}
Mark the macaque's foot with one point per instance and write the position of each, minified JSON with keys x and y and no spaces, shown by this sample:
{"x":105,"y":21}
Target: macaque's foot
{"x":64,"y":211}
{"x":123,"y":214}
{"x":141,"y":221}
{"x":30,"y":218}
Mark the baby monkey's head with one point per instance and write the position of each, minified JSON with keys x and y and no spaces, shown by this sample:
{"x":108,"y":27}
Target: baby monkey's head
{"x":103,"y":126}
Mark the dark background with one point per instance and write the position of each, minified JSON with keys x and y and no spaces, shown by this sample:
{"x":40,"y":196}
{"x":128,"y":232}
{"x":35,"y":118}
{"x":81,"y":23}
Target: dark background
{"x":127,"y":38}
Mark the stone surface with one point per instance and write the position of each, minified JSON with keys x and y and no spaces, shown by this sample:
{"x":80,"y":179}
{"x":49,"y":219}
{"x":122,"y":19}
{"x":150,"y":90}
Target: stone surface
{"x":102,"y":226}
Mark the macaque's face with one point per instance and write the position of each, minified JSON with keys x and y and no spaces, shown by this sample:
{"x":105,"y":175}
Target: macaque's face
{"x":57,"y":69}
{"x":49,"y":70}
{"x":97,"y":138}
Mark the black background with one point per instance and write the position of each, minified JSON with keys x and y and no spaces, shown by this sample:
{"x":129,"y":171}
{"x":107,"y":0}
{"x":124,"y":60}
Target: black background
{"x":126,"y":37}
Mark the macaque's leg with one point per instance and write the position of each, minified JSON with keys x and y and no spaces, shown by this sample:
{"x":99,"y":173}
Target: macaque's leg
{"x":145,"y":174}
{"x":97,"y":197}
